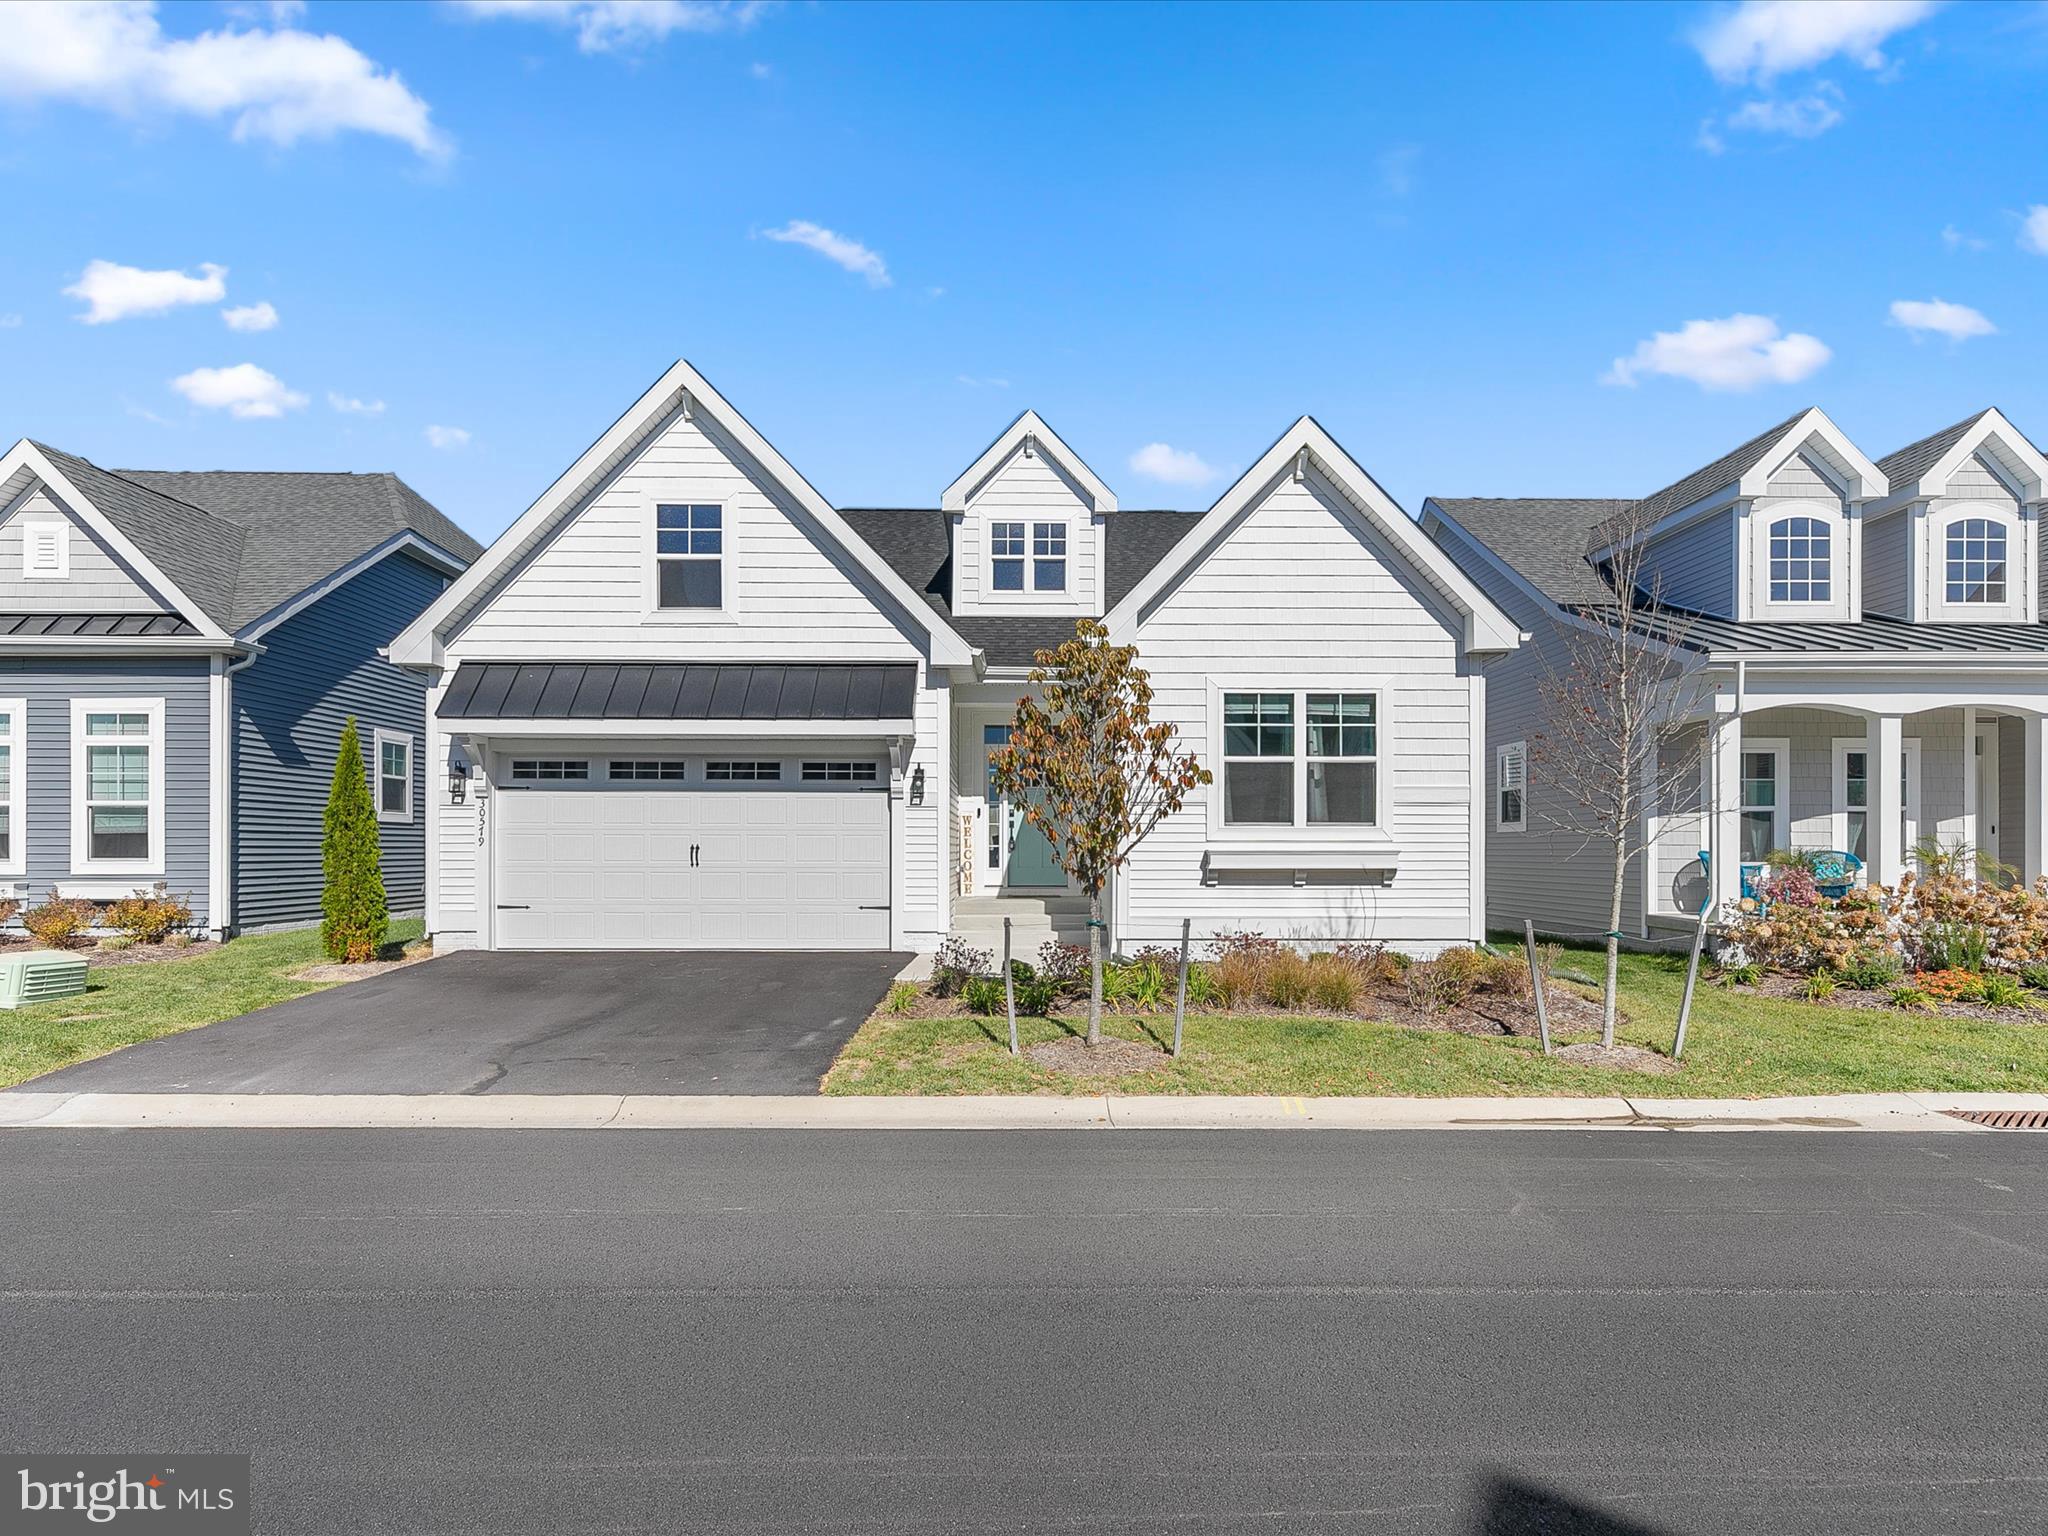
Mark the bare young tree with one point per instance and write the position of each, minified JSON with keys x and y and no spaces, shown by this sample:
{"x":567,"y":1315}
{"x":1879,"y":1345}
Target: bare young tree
{"x":1620,"y":708}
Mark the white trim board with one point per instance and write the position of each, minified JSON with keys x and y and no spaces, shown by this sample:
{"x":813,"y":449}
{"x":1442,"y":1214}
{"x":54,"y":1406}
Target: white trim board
{"x":1027,"y":431}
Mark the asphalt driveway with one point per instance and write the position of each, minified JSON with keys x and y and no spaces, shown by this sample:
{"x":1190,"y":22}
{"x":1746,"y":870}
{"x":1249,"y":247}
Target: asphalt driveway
{"x":701,"y":1022}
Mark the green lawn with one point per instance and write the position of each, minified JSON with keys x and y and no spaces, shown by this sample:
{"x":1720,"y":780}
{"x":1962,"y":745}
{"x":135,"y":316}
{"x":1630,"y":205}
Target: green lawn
{"x":126,"y":1003}
{"x":1738,"y":1046}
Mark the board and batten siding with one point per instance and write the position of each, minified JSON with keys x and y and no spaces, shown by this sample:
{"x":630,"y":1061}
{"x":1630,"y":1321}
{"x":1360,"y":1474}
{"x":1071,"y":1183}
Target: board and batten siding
{"x":586,"y":591}
{"x":1694,"y":566}
{"x":1027,"y":490}
{"x":1539,"y":874}
{"x":1302,"y":593}
{"x":99,"y":581}
{"x":319,"y":667}
{"x":48,"y":686}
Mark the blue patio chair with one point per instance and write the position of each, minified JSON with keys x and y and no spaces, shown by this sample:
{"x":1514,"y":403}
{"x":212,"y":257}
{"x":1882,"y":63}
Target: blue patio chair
{"x":1751,"y":878}
{"x":1836,"y":872}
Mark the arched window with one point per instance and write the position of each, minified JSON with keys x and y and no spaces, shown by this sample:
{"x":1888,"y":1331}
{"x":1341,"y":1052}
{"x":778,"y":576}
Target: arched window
{"x":1976,"y":560}
{"x":1802,"y":563}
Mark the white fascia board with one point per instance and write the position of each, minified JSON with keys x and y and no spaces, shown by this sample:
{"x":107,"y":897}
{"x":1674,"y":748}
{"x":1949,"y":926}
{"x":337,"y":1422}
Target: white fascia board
{"x":605,"y":730}
{"x":125,"y":645}
{"x":1487,"y":629}
{"x":2006,"y":443}
{"x":25,"y":455}
{"x":1869,"y":481}
{"x":433,"y":554}
{"x":1030,"y":425}
{"x":420,"y":643}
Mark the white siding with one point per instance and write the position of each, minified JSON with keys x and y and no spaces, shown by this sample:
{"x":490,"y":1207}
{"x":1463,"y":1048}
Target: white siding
{"x":100,"y":582}
{"x":1694,"y":567}
{"x":452,"y":840}
{"x":1299,"y":593}
{"x":1023,"y":490}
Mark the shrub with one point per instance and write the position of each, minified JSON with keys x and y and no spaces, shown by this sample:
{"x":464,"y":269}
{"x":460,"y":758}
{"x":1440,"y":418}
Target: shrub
{"x":901,"y":999}
{"x":1820,"y":986}
{"x":956,"y":963}
{"x":1953,"y":947}
{"x":60,"y":924}
{"x":1202,"y":989}
{"x":1065,"y":965}
{"x":1506,"y":974}
{"x":1910,"y":997}
{"x":1746,"y":974}
{"x":147,"y":918}
{"x":983,"y":995}
{"x":1147,"y":986}
{"x":355,"y":921}
{"x":1335,"y":983}
{"x":1037,"y":995}
{"x":1792,"y":885}
{"x":8,"y":908}
{"x":1239,"y":977}
{"x":1287,"y":982}
{"x":1995,"y":989}
{"x":2035,"y":975}
{"x":1466,"y":965}
{"x":1376,"y":965}
{"x":1248,"y":942}
{"x":1872,"y":970}
{"x":1446,"y":981}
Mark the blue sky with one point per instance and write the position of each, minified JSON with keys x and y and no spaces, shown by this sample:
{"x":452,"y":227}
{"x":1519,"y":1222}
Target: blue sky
{"x":1469,"y":239}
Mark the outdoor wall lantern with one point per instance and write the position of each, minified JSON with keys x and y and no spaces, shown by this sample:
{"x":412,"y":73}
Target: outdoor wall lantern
{"x":458,"y":784}
{"x":917,"y":786}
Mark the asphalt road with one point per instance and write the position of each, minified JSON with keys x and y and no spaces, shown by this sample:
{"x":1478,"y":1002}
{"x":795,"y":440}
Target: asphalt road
{"x":1057,"y":1331}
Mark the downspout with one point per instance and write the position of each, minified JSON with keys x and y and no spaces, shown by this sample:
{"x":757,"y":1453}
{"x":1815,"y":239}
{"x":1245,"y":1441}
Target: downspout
{"x":220,"y":845}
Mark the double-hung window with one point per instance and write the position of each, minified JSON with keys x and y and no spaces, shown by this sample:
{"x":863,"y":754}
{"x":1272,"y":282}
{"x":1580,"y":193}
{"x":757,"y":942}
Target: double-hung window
{"x":689,"y":556}
{"x":1976,"y":561}
{"x":1511,"y":786}
{"x":13,"y":783}
{"x":1006,"y":557}
{"x":393,"y":751}
{"x":1306,"y":758}
{"x":118,"y":805}
{"x":1048,"y":557}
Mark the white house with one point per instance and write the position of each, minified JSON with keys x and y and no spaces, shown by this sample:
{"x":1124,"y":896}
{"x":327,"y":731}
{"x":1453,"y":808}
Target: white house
{"x":1867,"y":634}
{"x":686,"y":702}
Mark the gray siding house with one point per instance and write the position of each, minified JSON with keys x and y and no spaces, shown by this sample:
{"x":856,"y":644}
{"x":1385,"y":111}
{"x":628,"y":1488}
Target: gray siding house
{"x":178,"y":652}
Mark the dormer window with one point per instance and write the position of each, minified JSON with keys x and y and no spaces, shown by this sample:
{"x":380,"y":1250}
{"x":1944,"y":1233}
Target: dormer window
{"x":1976,"y":561}
{"x":1006,"y":557}
{"x":1048,"y":557}
{"x":46,"y":550}
{"x":1802,"y":561}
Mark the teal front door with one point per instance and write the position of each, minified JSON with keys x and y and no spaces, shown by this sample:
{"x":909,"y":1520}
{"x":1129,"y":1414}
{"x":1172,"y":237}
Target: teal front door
{"x":1018,"y":852}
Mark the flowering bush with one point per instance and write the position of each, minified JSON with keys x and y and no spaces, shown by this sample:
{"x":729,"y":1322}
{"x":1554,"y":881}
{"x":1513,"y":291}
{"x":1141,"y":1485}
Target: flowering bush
{"x":1932,"y":923}
{"x":1792,"y":886}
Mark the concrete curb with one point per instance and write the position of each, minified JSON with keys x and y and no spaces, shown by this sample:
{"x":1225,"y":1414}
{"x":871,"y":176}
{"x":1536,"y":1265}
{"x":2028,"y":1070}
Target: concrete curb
{"x":198,"y":1111}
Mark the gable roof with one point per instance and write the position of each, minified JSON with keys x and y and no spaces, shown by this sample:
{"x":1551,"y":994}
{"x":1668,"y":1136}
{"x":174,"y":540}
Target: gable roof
{"x":917,"y":542}
{"x":680,"y":387}
{"x":1030,"y":426}
{"x":1905,"y":465}
{"x":1543,"y":539}
{"x":1935,"y":458}
{"x":234,"y":545}
{"x":1487,"y":628}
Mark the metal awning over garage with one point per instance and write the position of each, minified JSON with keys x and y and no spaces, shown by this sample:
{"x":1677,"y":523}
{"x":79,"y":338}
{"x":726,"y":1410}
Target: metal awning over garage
{"x":883,"y":694}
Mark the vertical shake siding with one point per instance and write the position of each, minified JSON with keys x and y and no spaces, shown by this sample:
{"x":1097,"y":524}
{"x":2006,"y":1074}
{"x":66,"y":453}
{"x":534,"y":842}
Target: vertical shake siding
{"x":100,"y":582}
{"x":1887,"y":565}
{"x":1694,"y":567}
{"x":1553,"y":878}
{"x":1300,"y":591}
{"x":1022,"y":490}
{"x":587,"y":591}
{"x":319,"y":667}
{"x":49,"y":686}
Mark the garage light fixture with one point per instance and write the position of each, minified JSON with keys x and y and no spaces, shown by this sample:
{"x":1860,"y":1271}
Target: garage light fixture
{"x":458,"y":784}
{"x":917,"y":786}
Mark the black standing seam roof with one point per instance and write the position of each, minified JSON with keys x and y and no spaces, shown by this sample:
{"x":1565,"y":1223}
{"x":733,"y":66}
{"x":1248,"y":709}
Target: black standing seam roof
{"x":24,"y":626}
{"x":711,"y":691}
{"x":1871,"y":636}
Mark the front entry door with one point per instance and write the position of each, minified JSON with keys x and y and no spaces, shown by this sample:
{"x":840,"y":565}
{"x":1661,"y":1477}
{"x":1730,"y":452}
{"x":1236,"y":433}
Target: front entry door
{"x":1018,"y":853}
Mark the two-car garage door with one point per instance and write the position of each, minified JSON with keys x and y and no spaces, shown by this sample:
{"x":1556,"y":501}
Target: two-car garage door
{"x":691,"y":866}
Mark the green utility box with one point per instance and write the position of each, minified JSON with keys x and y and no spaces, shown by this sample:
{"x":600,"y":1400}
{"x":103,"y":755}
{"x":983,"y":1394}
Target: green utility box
{"x":40,"y":975}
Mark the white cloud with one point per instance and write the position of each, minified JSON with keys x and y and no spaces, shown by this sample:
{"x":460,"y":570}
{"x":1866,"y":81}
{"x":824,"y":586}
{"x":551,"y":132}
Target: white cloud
{"x":1799,"y":117}
{"x":1957,"y":322}
{"x":1174,"y":466}
{"x":1956,"y":240}
{"x":278,"y":86}
{"x":448,"y":437}
{"x":841,"y":250}
{"x":244,"y":391}
{"x":349,"y":405}
{"x":260,"y":316}
{"x":760,"y":71}
{"x":973,"y":383}
{"x":10,"y":322}
{"x":114,"y":292}
{"x":1737,"y":353}
{"x":609,"y":26}
{"x":2034,"y":230}
{"x":1762,"y":39}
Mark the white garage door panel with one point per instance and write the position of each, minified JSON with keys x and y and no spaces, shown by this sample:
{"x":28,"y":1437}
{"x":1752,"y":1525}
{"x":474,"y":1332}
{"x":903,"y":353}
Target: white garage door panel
{"x":609,"y":868}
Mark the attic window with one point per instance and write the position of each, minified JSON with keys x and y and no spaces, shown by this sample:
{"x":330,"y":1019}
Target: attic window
{"x":689,"y":549}
{"x":1006,"y":557}
{"x":46,"y":549}
{"x":1048,"y":557}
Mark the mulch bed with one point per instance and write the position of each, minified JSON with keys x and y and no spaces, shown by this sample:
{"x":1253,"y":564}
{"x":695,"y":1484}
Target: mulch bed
{"x":362,"y":970}
{"x":1620,"y":1058}
{"x":99,"y":957}
{"x":1074,"y":1056}
{"x":1782,"y":984}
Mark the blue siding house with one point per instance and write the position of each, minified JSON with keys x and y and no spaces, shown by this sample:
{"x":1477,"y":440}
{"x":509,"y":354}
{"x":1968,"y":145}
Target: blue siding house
{"x":178,"y":653}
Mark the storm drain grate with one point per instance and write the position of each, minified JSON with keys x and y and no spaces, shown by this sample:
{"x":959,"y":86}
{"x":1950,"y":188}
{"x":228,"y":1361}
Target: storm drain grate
{"x":2003,"y":1119}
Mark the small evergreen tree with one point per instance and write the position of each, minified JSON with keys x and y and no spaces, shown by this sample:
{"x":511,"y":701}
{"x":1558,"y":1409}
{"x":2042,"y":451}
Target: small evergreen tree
{"x":355,"y":919}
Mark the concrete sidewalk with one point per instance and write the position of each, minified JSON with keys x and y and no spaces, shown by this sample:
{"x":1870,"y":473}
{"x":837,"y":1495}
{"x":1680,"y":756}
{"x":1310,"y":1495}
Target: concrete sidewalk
{"x":201,"y":1111}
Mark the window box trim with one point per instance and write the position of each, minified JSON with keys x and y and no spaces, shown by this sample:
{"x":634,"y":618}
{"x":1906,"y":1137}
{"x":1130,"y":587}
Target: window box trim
{"x":81,"y":841}
{"x":378,"y":737}
{"x":15,"y":739}
{"x":1520,"y":750}
{"x":1307,"y":834}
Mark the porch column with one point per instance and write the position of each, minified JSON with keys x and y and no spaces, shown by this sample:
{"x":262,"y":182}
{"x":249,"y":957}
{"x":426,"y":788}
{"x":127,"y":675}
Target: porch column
{"x":1973,"y":831}
{"x":1884,"y":829}
{"x":2036,"y":728}
{"x":1724,"y":818}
